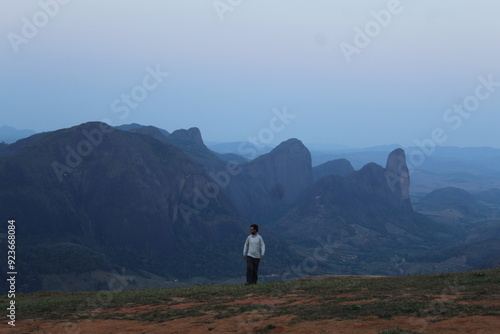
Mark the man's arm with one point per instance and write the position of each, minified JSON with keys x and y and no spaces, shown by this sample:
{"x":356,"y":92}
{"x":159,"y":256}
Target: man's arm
{"x":245,"y":249}
{"x":262,"y":248}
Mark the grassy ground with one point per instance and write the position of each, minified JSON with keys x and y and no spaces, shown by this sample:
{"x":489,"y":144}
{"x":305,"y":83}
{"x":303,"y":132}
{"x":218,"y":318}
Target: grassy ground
{"x":436,"y":297}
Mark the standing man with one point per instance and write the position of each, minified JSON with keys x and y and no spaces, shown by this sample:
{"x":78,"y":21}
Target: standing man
{"x":253,"y":252}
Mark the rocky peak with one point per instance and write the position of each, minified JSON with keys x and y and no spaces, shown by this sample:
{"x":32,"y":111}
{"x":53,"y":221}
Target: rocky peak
{"x":398,"y":177}
{"x":292,"y":145}
{"x":192,"y":136}
{"x":273,"y":182}
{"x":286,"y":171}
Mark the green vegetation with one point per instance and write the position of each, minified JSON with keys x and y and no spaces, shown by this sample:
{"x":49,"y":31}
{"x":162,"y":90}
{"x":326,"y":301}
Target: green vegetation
{"x":438,"y":296}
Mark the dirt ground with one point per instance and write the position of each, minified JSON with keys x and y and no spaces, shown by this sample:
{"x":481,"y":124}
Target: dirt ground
{"x":256,"y":322}
{"x":284,"y":324}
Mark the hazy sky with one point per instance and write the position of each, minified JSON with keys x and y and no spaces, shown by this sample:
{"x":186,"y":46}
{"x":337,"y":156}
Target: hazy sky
{"x":351,"y":72}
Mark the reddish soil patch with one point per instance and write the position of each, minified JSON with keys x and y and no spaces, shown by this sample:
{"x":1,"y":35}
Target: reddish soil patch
{"x":283,"y":324}
{"x":361,"y":301}
{"x":309,"y":301}
{"x":260,"y":301}
{"x":266,"y":315}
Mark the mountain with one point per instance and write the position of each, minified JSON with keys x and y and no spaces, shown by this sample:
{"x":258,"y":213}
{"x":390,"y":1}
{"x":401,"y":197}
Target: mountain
{"x":454,"y":201}
{"x":92,"y":200}
{"x":6,"y":150}
{"x":361,"y":210}
{"x":357,"y":157}
{"x":151,"y":131}
{"x":129,"y":127}
{"x":260,"y":189}
{"x":340,"y":167}
{"x":468,"y":168}
{"x":9,"y":134}
{"x":476,"y":214}
{"x":472,"y":169}
{"x":191,"y":142}
{"x":285,"y":172}
{"x":458,"y":204}
{"x":267,"y":186}
{"x":242,"y":148}
{"x":124,"y":196}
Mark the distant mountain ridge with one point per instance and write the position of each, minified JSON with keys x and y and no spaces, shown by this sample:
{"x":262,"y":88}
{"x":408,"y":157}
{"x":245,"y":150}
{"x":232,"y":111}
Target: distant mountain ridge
{"x":10,"y":135}
{"x":469,"y":168}
{"x":334,"y":167}
{"x":461,"y":203}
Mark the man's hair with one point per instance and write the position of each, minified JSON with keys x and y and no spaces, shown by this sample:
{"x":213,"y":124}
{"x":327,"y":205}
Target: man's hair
{"x":256,"y":227}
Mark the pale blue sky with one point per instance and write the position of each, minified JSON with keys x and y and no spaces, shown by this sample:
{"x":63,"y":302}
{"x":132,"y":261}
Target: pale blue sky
{"x":227,"y":76}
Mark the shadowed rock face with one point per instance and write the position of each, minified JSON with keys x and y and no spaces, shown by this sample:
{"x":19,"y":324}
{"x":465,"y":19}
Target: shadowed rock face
{"x":366,"y":206}
{"x":398,"y":178}
{"x":261,"y":188}
{"x":285,"y":172}
{"x":273,"y":182}
{"x":375,"y":187}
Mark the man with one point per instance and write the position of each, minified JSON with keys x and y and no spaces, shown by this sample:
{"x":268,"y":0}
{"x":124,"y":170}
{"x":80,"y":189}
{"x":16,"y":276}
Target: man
{"x":253,"y":252}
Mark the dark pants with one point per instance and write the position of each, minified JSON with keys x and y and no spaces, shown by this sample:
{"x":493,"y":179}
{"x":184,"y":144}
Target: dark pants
{"x":252,"y":269}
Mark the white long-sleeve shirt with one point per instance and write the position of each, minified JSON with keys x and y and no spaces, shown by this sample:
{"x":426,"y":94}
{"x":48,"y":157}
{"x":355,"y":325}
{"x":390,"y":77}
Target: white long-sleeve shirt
{"x":255,"y":246}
